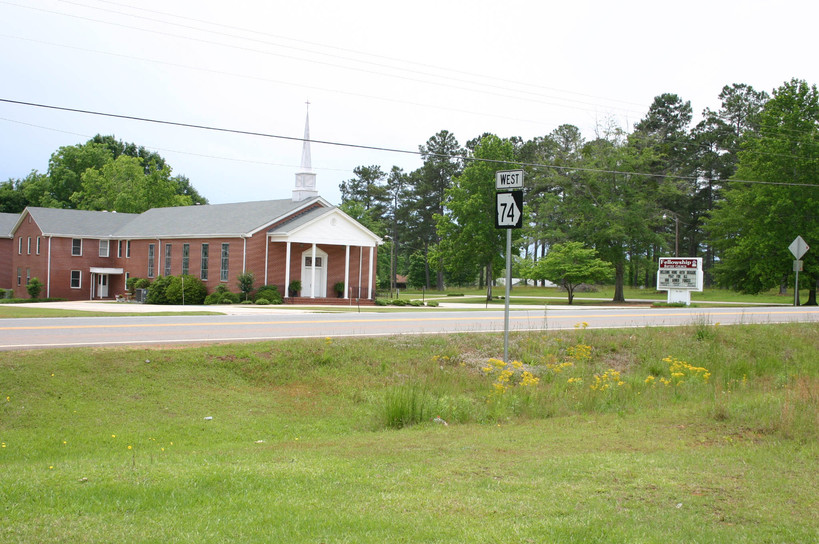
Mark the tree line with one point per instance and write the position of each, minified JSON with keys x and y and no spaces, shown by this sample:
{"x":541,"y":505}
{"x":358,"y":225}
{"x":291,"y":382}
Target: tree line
{"x":102,"y":174}
{"x":735,"y":189}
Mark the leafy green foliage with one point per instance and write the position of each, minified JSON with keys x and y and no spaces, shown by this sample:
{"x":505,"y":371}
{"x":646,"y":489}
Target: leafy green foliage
{"x":101,"y":174}
{"x":34,"y":287}
{"x":756,"y":223}
{"x":185,"y":289}
{"x":156,"y":291}
{"x":468,"y":234}
{"x":245,"y":283}
{"x":571,"y":264}
{"x":221,"y":295}
{"x":270,"y":293}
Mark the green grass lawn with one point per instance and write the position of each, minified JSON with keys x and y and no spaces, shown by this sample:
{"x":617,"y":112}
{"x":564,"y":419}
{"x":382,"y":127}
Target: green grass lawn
{"x":534,"y":295}
{"x":335,"y":440}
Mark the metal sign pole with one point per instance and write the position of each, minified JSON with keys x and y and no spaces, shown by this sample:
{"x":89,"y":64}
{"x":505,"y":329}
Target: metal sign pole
{"x":506,"y":298}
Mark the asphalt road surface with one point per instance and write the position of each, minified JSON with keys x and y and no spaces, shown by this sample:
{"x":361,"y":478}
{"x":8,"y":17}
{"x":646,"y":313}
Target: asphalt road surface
{"x":17,"y":334}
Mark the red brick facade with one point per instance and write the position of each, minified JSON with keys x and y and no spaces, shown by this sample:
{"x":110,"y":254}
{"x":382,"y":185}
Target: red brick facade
{"x":67,"y":275}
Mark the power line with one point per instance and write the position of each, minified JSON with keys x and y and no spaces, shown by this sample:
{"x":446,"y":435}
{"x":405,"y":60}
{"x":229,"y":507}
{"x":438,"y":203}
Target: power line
{"x":482,"y":89}
{"x":335,"y":48}
{"x":385,"y":149}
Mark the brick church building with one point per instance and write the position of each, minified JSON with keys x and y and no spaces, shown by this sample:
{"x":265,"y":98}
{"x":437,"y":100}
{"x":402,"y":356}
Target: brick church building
{"x":87,"y":255}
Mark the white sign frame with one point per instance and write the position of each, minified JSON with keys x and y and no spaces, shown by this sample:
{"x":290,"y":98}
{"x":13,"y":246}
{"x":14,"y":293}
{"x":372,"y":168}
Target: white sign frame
{"x":508,"y":179}
{"x":680,"y":276}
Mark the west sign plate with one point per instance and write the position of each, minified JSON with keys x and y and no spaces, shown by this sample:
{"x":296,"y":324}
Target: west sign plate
{"x":508,"y":179}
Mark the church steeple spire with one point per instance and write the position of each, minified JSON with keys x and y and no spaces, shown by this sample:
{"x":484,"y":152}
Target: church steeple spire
{"x":306,"y":161}
{"x":305,"y":179}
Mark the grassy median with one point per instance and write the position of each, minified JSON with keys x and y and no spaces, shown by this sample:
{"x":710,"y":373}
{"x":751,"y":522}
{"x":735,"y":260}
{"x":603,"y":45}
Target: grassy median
{"x":700,"y":433}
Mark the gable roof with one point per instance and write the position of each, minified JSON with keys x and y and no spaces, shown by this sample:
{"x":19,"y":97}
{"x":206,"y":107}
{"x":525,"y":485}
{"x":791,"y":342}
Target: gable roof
{"x":76,"y":223}
{"x":7,"y":224}
{"x":216,"y":220}
{"x":325,"y":226}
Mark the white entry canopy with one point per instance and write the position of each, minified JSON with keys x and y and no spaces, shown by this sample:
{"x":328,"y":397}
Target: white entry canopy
{"x":112,"y":271}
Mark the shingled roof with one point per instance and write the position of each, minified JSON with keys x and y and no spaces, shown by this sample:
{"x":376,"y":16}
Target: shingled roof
{"x":7,"y":223}
{"x":78,"y":223}
{"x":215,"y":220}
{"x":212,"y":220}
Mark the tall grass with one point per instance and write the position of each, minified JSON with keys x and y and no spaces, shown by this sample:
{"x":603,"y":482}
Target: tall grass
{"x":343,"y":440}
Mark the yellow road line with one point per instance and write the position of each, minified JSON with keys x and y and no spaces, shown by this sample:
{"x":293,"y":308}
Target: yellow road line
{"x":582,"y":316}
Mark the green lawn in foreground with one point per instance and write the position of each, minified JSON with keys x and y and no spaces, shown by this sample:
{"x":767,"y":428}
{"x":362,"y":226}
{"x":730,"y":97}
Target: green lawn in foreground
{"x":102,"y":445}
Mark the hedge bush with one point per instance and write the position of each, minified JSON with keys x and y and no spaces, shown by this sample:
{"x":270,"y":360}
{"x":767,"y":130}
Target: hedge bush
{"x":270,"y":293}
{"x":221,"y":295}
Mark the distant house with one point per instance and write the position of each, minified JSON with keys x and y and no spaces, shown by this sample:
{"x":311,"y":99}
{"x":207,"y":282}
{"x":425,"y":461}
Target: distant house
{"x":80,"y":254}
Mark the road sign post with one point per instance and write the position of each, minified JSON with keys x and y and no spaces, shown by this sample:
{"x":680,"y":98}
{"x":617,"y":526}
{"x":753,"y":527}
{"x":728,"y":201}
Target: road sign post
{"x":798,"y":248}
{"x":508,"y":215}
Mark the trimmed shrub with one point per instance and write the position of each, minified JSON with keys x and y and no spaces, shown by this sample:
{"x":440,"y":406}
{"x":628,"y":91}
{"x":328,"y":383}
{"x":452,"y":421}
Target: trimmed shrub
{"x":399,"y":302}
{"x":156,"y":292}
{"x":270,"y":293}
{"x":195,"y":290}
{"x":416,"y":303}
{"x":262,"y":301}
{"x":221,"y":295}
{"x":382,"y":302}
{"x":34,"y":287}
{"x":142,"y":283}
{"x":432,"y":303}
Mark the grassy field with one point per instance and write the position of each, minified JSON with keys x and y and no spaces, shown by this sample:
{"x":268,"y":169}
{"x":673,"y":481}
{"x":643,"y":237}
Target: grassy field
{"x":696,"y":434}
{"x":534,"y":295}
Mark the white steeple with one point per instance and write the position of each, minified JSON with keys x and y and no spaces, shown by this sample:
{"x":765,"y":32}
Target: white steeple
{"x":306,"y":179}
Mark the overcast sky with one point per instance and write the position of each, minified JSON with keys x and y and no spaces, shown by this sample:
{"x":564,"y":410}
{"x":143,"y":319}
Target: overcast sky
{"x":376,"y":73}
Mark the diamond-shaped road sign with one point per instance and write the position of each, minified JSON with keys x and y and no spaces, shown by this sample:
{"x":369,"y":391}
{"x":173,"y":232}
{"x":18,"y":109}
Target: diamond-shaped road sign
{"x":798,"y":247}
{"x":509,"y":210}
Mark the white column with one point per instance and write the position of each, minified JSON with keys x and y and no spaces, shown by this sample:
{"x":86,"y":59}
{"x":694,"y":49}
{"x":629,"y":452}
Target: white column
{"x":48,"y":274}
{"x":347,"y":271}
{"x":370,"y":275}
{"x":266,"y":252}
{"x":313,"y":274}
{"x":244,"y":255}
{"x":360,"y":265}
{"x":287,"y":270}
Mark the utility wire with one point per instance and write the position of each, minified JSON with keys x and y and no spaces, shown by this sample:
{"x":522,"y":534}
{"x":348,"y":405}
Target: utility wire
{"x":516,"y":164}
{"x":482,"y":89}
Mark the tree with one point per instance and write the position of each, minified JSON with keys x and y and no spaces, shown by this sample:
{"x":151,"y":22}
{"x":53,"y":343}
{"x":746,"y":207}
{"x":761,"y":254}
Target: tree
{"x":442,"y":156}
{"x":34,"y":287}
{"x":122,"y":185}
{"x":467,"y":228}
{"x":571,"y":264}
{"x":718,"y":138}
{"x":245,"y":283}
{"x":101,"y":174}
{"x":756,"y":222}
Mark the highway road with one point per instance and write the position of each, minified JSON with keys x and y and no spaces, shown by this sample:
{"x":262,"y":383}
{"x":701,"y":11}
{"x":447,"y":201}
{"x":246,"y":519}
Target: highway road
{"x":113,"y":330}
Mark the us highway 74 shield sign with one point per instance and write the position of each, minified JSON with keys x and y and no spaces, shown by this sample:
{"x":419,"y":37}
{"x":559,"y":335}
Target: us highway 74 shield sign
{"x":509,"y":210}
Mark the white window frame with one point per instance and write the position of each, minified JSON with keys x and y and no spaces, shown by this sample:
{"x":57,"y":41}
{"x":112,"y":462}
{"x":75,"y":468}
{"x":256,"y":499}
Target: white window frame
{"x":79,"y":279}
{"x":105,"y":248}
{"x":38,"y":245}
{"x":28,"y":246}
{"x":73,"y":254}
